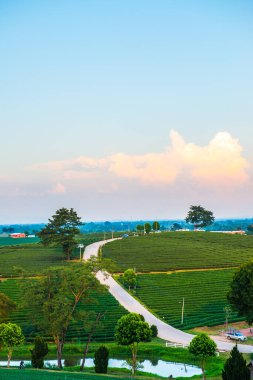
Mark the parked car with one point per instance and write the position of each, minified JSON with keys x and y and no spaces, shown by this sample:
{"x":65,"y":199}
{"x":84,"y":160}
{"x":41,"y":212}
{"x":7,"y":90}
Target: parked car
{"x":125,"y":235}
{"x":235,"y":335}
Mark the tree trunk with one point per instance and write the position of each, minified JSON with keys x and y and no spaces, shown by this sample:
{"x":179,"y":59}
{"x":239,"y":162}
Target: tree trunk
{"x":9,"y":358}
{"x":60,"y":345}
{"x":203,"y":369}
{"x":134,"y":358}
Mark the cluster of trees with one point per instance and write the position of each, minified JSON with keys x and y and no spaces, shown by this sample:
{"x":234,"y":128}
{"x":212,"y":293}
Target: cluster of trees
{"x":146,"y":228}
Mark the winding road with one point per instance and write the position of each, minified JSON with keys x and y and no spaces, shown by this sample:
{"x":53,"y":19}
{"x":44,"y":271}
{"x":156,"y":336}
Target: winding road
{"x":165,"y":331}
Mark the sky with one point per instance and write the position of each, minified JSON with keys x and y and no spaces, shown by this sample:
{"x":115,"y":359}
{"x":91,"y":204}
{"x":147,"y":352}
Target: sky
{"x":122,"y":110}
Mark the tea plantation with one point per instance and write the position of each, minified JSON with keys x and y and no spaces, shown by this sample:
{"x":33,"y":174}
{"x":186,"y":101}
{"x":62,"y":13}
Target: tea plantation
{"x":180,"y":250}
{"x":204,"y":295}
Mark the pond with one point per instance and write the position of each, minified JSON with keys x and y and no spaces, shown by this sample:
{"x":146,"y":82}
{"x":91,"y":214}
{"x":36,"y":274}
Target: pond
{"x":160,"y":367}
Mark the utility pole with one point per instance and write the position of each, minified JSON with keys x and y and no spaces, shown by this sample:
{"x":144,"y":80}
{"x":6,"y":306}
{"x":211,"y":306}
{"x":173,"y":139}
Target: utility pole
{"x":182,"y":316}
{"x":80,"y":246}
{"x":112,"y":234}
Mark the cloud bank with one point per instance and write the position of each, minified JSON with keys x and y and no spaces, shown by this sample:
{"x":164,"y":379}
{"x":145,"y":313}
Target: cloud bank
{"x":219,"y":163}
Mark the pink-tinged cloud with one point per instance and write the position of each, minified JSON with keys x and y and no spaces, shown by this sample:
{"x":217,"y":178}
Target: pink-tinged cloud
{"x":58,"y":189}
{"x":220,"y":162}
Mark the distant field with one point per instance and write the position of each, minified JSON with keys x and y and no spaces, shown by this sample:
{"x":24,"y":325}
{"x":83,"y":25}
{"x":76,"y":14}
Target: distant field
{"x":12,"y":241}
{"x":204,"y":293}
{"x":78,"y":332}
{"x":34,"y":258}
{"x":180,"y":250}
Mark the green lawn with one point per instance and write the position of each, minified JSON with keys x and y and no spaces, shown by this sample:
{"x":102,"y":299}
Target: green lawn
{"x":180,"y":250}
{"x":204,"y":294}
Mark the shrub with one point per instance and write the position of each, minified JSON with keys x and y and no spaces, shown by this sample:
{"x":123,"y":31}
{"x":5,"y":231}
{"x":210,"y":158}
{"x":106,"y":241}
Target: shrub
{"x":101,"y":359}
{"x":39,"y":351}
{"x":154,"y":331}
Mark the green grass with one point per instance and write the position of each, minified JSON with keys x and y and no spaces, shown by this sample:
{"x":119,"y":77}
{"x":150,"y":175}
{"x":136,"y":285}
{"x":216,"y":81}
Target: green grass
{"x":11,"y":241}
{"x":78,"y":331}
{"x":204,"y":294}
{"x":180,"y":250}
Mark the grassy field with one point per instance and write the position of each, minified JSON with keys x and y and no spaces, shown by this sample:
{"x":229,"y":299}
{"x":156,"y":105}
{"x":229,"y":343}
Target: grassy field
{"x":180,"y":250}
{"x":11,"y":241}
{"x":204,"y":295}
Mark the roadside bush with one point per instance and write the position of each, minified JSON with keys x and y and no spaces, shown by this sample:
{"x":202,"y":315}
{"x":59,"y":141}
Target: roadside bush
{"x":101,"y":359}
{"x":154,"y":331}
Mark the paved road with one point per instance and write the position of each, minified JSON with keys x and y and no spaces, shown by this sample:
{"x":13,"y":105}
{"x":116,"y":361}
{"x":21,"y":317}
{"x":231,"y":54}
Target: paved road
{"x":165,"y":331}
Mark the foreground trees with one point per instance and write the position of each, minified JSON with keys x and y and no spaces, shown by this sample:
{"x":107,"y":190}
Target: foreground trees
{"x":240,"y":295}
{"x":199,"y":217}
{"x":61,"y":230}
{"x":235,"y":367}
{"x":132,"y":329}
{"x":203,"y":347}
{"x":53,"y":299}
{"x":10,"y":337}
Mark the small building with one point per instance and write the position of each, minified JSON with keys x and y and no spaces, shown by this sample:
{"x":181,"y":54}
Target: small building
{"x":17,"y":235}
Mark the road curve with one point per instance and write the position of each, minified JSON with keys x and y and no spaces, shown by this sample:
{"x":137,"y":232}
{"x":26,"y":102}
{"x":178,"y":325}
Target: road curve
{"x":165,"y":331}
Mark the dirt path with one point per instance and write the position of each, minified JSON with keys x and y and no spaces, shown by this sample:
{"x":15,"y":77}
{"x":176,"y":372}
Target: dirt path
{"x":165,"y":331}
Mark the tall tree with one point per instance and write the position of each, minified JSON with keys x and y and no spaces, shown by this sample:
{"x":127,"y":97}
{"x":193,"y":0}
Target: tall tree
{"x":139,"y":228}
{"x":240,"y":295}
{"x":199,"y":217}
{"x":156,"y":226}
{"x":235,"y":367}
{"x":131,"y":329}
{"x":53,"y":299}
{"x":10,"y":337}
{"x":61,"y":230}
{"x":203,"y":347}
{"x":6,"y":306}
{"x":39,"y":351}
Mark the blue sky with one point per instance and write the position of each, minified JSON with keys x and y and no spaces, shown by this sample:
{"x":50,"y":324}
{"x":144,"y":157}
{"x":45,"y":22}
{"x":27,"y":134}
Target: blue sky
{"x":102,"y":85}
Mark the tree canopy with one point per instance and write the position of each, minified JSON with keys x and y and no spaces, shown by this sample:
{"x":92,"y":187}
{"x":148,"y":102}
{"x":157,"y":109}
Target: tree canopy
{"x":240,"y":295}
{"x":199,"y":217}
{"x":156,"y":226}
{"x":235,"y":367}
{"x":6,"y":306}
{"x":147,"y":228}
{"x":61,"y":230}
{"x":203,"y":347}
{"x":53,"y":299}
{"x":129,"y":278}
{"x":132,"y":329}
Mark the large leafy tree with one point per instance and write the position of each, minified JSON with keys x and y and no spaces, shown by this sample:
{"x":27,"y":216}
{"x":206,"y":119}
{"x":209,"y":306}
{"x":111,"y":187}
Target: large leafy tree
{"x":132,"y":329}
{"x":203,"y":347}
{"x":199,"y":217}
{"x":10,"y":337}
{"x":61,"y":230}
{"x":240,"y":295}
{"x":235,"y":367}
{"x":53,"y":299}
{"x":147,"y":228}
{"x":6,"y":305}
{"x":156,"y":226}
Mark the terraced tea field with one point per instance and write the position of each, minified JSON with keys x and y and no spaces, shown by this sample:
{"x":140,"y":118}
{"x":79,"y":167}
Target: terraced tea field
{"x":34,"y":258}
{"x":180,"y":250}
{"x":204,"y":294}
{"x":78,"y":331}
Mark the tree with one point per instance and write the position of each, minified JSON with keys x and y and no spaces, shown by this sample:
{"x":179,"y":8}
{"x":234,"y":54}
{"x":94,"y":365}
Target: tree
{"x":131,"y":330}
{"x":240,"y":295}
{"x":39,"y":351}
{"x":6,"y":306}
{"x":101,"y":358}
{"x":203,"y":347}
{"x":154,"y":331}
{"x":10,"y":336}
{"x":199,"y":217}
{"x":129,"y":278}
{"x":139,"y":228}
{"x":61,"y":230}
{"x":235,"y":367}
{"x":53,"y":299}
{"x":250,"y":228}
{"x":156,"y":226}
{"x":147,"y":228}
{"x":175,"y":227}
